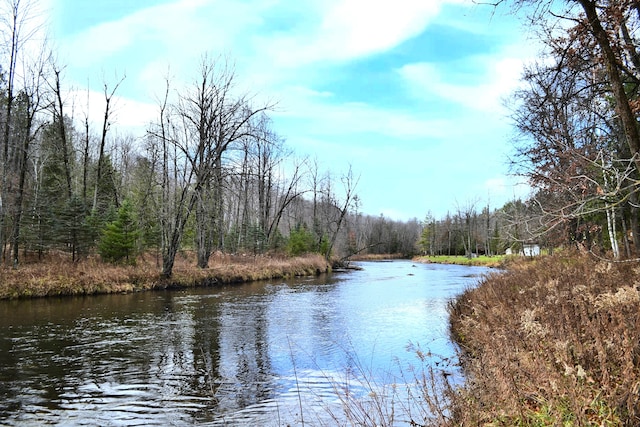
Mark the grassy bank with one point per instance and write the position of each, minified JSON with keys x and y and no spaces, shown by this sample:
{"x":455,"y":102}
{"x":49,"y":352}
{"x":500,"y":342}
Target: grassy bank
{"x":551,"y":342}
{"x":58,"y":276}
{"x":482,"y":260}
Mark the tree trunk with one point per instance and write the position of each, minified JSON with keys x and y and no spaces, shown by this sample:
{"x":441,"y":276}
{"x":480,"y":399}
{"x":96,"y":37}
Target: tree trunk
{"x":611,"y":228}
{"x":17,"y":217}
{"x":628,"y":119}
{"x":203,"y":247}
{"x":62,"y":133}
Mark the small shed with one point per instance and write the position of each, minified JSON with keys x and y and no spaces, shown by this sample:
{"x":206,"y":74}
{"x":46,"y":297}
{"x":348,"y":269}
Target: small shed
{"x":528,"y":249}
{"x":531,"y":249}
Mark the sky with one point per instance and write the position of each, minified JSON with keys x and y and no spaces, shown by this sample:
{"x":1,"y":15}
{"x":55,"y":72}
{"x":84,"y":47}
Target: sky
{"x":408,"y":93}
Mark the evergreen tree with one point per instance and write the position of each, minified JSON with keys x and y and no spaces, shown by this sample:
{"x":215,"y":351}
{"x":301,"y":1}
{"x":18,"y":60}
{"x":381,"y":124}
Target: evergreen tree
{"x":74,"y":229}
{"x":301,"y":241}
{"x":119,"y":237}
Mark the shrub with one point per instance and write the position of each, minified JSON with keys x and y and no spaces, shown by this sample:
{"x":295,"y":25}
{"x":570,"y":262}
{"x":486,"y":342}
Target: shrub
{"x":301,"y":241}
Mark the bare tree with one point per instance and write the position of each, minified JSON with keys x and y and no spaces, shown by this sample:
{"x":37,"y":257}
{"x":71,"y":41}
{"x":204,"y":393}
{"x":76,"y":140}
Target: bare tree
{"x":31,"y":102}
{"x":58,"y":113}
{"x":106,"y":124}
{"x":17,"y":28}
{"x":339,"y":207}
{"x":207,"y":120}
{"x":578,"y":115}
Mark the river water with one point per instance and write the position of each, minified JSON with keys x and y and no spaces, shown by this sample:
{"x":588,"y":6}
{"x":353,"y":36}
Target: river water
{"x":312,"y":351}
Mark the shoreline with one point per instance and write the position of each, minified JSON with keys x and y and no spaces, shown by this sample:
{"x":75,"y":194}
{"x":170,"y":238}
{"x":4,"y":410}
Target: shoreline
{"x":60,"y":277}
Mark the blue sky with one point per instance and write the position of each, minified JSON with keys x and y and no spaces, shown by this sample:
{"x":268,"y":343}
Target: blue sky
{"x":409,"y":93}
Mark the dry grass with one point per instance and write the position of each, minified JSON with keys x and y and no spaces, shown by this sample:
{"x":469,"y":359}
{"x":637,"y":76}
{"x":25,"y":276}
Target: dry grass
{"x":57,"y":275}
{"x":551,"y":342}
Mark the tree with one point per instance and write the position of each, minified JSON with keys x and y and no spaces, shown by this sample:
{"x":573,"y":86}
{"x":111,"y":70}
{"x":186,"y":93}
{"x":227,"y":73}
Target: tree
{"x":581,"y":112}
{"x":206,"y":121}
{"x":100,"y":170}
{"x":337,"y":209}
{"x":29,"y":103}
{"x":16,"y":28}
{"x":119,"y":237}
{"x":428,"y":235}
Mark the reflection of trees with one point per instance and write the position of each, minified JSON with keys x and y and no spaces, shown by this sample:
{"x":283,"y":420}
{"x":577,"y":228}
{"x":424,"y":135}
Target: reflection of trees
{"x":305,"y":333}
{"x":244,"y":362}
{"x":178,"y":357}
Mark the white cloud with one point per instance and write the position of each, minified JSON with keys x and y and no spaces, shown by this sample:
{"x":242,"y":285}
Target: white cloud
{"x":318,"y":113}
{"x":127,"y":116}
{"x":353,"y":28}
{"x":341,"y":30}
{"x":181,"y":29}
{"x":294,"y":55}
{"x":492,"y":78}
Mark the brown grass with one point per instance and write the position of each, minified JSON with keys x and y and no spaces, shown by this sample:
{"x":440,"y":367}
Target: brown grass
{"x":57,"y":275}
{"x":551,"y":342}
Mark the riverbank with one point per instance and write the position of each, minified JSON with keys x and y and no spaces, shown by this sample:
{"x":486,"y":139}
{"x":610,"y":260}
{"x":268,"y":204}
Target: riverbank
{"x":496,"y":261}
{"x":57,"y":276}
{"x":554,"y":341}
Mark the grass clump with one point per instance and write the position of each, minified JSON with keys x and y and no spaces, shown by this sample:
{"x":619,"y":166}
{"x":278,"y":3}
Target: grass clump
{"x":551,"y":342}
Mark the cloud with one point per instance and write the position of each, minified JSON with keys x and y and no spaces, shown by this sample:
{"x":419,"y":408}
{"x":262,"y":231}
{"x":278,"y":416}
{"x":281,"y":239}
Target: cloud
{"x":179,"y":29}
{"x":342,"y":30}
{"x":353,"y":28}
{"x":413,"y":152}
{"x":127,"y":117}
{"x":480,"y":84}
{"x":318,"y":113}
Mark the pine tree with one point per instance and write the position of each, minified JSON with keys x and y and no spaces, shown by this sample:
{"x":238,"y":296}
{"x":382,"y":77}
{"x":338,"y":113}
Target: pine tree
{"x":119,"y":237}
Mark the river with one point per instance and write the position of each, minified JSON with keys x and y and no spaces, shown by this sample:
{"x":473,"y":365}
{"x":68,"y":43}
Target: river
{"x":310,"y":351}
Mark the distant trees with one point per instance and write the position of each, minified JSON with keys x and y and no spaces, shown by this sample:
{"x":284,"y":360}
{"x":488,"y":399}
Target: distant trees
{"x":468,"y":232}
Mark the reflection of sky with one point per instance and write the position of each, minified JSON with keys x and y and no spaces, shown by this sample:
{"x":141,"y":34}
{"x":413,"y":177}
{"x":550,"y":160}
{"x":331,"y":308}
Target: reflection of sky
{"x":363,"y":323}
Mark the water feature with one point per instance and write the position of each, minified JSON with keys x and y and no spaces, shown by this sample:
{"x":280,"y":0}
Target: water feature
{"x":279,"y":353}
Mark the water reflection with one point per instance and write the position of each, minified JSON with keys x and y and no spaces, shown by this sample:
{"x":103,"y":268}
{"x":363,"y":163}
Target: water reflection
{"x":262,"y":353}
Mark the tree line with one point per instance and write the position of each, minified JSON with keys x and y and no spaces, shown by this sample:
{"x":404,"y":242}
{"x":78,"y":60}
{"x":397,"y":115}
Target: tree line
{"x":212,"y":174}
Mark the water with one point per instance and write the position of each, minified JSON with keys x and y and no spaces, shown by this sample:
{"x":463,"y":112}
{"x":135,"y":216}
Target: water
{"x":282,"y":353}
